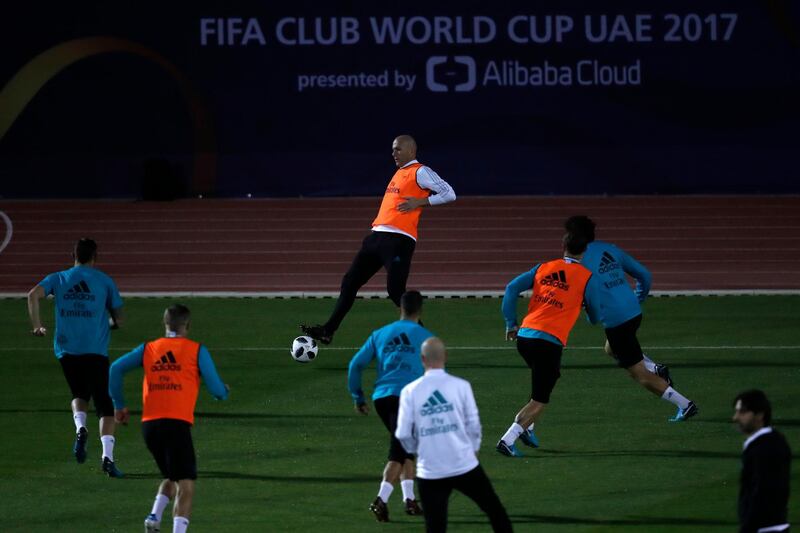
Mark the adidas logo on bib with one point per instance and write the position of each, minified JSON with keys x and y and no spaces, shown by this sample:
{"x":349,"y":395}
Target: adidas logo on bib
{"x":167,"y":363}
{"x":557,"y":280}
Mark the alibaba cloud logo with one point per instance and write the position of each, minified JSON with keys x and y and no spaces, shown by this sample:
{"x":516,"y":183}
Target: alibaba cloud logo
{"x":444,"y":74}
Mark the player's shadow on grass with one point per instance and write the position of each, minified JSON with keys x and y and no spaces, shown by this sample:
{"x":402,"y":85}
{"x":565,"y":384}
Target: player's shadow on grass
{"x":59,"y":411}
{"x":259,"y":477}
{"x":611,"y":366}
{"x":232,"y":415}
{"x":727,"y":363}
{"x":633,"y":521}
{"x":700,"y":454}
{"x":272,"y":415}
{"x":780,"y":422}
{"x":287,"y":479}
{"x":135,"y":475}
{"x":776,"y":422}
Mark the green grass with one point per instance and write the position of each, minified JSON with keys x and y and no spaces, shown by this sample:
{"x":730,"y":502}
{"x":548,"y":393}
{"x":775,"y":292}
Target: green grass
{"x":287,"y":452}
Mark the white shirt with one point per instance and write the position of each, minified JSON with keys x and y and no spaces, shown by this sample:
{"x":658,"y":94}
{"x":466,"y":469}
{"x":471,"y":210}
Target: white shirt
{"x":754,"y":436}
{"x":441,"y":193}
{"x":438,"y":421}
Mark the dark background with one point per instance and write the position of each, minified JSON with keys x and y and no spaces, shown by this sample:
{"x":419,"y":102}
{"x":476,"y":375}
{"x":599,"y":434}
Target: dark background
{"x":709,"y":116}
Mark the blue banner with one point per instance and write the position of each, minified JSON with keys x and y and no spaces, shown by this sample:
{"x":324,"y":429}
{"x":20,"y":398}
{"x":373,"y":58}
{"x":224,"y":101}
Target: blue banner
{"x":300,"y":99}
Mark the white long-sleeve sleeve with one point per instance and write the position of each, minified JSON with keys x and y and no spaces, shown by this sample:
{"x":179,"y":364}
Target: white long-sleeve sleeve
{"x":405,"y":423}
{"x":441,"y":191}
{"x":472,"y":421}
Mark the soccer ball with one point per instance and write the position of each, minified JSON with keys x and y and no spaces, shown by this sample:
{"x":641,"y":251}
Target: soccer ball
{"x":304,"y":349}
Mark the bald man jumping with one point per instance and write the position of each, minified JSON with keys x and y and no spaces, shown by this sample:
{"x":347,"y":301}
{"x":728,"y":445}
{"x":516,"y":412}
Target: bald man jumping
{"x":394,"y":234}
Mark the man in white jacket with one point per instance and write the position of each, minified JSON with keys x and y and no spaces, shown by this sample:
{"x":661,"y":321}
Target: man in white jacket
{"x":438,"y":421}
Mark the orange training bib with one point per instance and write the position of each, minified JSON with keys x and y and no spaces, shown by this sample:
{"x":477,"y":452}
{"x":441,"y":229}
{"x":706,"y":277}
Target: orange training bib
{"x":171,"y":379}
{"x":403,"y":184}
{"x":557,"y":297}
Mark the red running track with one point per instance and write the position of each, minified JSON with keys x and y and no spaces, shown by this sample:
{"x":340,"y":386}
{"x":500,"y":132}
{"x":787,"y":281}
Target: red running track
{"x":475,"y":244}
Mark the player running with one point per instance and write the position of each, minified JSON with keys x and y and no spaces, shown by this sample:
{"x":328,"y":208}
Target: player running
{"x":619,"y":310}
{"x":172,"y":366}
{"x":87,"y":305}
{"x":396,"y":347}
{"x":394,"y":234}
{"x":558,"y":288}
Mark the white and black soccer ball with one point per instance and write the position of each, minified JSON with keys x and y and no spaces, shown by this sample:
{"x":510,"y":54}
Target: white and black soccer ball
{"x":304,"y":349}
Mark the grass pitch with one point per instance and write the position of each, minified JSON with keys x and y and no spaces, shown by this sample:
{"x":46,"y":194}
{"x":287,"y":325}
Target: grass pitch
{"x":287,"y":452}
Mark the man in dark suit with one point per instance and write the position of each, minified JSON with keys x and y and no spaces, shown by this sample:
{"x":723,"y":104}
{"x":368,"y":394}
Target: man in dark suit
{"x":766,"y":461}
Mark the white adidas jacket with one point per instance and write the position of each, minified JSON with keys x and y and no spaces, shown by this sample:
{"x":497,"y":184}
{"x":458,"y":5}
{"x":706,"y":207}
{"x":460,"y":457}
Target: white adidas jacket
{"x":438,"y":421}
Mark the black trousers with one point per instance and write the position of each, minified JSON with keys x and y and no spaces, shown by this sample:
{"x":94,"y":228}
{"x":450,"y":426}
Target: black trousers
{"x":435,"y":494}
{"x":392,"y":251}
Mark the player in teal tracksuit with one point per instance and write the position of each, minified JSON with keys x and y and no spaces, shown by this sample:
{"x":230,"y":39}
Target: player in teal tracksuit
{"x":618,"y":309}
{"x":396,"y":347}
{"x":85,"y":300}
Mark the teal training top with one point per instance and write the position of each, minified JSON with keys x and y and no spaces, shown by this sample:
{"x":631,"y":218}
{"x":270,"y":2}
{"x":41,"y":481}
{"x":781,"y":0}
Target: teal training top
{"x":396,"y":347}
{"x":83,"y":297}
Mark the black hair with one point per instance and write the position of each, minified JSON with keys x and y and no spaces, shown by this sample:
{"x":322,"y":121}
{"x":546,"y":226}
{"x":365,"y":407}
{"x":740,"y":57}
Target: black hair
{"x":756,"y":401}
{"x":84,"y":250}
{"x":411,"y":302}
{"x":575,"y":244}
{"x":580,"y":225}
{"x":177,"y":315}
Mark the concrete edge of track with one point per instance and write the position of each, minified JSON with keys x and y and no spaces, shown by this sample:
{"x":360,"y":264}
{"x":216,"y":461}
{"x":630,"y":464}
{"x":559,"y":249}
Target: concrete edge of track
{"x":428,"y":294}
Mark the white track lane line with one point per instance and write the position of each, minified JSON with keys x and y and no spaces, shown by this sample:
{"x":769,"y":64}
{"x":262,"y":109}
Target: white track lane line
{"x":464,"y":348}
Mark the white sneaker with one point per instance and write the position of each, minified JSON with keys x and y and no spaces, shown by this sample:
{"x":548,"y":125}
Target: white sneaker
{"x":151,"y":525}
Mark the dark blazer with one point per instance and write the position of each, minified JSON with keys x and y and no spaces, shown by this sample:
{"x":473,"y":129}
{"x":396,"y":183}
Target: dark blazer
{"x":764,"y":491}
